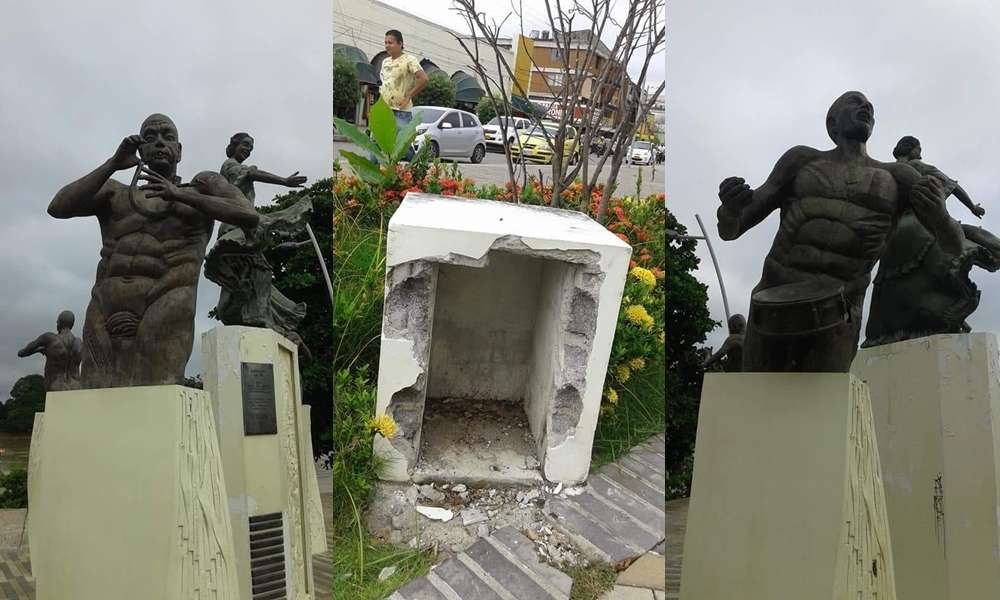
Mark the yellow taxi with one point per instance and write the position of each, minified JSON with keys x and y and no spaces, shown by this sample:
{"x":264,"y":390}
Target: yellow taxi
{"x":535,"y":148}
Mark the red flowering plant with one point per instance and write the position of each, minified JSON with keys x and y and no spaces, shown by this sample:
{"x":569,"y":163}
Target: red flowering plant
{"x":639,"y":337}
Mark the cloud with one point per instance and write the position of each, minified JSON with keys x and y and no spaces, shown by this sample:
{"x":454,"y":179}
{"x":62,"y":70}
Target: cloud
{"x":747,"y":81}
{"x":78,"y":77}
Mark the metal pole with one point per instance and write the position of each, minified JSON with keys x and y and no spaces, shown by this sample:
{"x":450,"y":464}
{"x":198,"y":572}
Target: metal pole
{"x":322,"y":263}
{"x":711,"y":251}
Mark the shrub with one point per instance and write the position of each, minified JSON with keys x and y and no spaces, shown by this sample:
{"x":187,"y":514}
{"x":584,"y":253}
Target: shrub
{"x":484,"y":108}
{"x":14,"y":489}
{"x":439,"y":91}
{"x":346,"y":92}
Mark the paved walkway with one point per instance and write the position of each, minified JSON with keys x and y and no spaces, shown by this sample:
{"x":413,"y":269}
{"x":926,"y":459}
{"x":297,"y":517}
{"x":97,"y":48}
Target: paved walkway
{"x":620,"y":517}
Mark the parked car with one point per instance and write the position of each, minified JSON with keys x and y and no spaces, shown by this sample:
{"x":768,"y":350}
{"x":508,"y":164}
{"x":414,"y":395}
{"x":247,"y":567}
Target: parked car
{"x":502,"y":131}
{"x":450,"y":133}
{"x":534,"y":146}
{"x":641,"y":153}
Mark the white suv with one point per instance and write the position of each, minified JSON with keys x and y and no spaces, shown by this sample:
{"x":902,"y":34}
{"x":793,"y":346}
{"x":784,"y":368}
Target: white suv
{"x":641,"y":153}
{"x":503,"y":131}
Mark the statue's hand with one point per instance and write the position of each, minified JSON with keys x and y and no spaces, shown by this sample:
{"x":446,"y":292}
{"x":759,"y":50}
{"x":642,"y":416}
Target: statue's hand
{"x":927,"y":197}
{"x":158,"y":186}
{"x":295,"y":180}
{"x":735,"y":194}
{"x":979,"y":211}
{"x":126,"y":157}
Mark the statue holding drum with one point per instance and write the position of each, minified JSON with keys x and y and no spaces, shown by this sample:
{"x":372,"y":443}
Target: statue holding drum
{"x":838,"y":210}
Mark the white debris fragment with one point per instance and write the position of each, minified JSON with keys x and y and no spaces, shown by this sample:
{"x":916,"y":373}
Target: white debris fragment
{"x":386,"y":573}
{"x":459,"y":488}
{"x":437,"y":514}
{"x":471,"y":516}
{"x":558,"y":489}
{"x":573,"y":491}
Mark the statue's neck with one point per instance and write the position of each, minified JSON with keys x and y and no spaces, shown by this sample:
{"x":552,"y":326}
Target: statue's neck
{"x":852,"y":149}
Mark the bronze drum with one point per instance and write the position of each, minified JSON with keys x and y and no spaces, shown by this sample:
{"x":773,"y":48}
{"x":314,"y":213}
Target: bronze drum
{"x":798,"y":309}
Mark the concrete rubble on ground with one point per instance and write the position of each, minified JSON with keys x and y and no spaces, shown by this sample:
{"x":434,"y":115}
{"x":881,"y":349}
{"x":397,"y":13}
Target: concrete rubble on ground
{"x":423,"y":515}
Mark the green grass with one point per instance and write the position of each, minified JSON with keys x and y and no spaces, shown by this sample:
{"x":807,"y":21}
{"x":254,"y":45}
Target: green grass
{"x":591,"y":581}
{"x":358,"y":559}
{"x":640,"y":413}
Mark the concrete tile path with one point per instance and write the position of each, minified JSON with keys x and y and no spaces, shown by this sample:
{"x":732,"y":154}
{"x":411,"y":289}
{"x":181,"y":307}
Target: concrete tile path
{"x":620,"y":515}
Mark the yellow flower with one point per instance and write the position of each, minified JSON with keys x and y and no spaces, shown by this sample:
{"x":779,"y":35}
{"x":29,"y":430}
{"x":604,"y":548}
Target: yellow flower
{"x":612,"y":396}
{"x":645,"y":277}
{"x":638,"y":363}
{"x":637,"y":314}
{"x":622,"y":372}
{"x":384,"y":425}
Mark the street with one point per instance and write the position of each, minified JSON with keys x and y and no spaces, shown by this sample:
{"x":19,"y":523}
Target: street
{"x":493,"y":170}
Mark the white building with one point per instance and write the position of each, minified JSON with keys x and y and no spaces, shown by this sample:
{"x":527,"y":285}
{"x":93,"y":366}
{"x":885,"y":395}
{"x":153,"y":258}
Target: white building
{"x":363,"y":23}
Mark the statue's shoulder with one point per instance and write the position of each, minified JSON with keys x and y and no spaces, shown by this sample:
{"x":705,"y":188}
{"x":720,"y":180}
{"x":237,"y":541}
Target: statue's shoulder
{"x":802,"y":154}
{"x":903,"y":172}
{"x":215,"y":184}
{"x":792,"y":161}
{"x":113,"y":186}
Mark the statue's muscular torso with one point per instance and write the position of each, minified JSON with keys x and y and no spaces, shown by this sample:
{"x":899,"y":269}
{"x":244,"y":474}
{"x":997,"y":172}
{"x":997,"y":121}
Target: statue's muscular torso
{"x":836,"y":219}
{"x":141,"y":258}
{"x":139,"y":328}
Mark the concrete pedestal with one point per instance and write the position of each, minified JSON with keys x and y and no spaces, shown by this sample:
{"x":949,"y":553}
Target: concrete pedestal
{"x":936,"y":402}
{"x":253,"y":378}
{"x":127,"y":498}
{"x":496,"y":303}
{"x":787,"y":500}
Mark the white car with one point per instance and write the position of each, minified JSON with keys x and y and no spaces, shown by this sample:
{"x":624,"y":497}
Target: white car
{"x":503,"y":131}
{"x":641,"y":153}
{"x":451,"y":133}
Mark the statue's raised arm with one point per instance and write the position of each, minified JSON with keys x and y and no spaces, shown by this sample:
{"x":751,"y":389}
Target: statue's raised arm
{"x":743,"y":208}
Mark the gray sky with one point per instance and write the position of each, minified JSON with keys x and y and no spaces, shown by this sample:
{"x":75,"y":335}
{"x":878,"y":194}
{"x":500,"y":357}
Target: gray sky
{"x":534,"y":16}
{"x":77,"y":77}
{"x":748,"y":80}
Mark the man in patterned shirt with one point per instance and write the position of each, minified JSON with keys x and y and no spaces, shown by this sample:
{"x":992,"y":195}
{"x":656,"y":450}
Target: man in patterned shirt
{"x":402,"y":79}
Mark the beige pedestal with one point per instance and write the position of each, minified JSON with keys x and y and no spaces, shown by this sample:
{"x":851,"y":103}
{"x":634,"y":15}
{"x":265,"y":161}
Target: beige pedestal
{"x":127,"y":498}
{"x":936,"y":402}
{"x":269,"y":477}
{"x":787,"y":500}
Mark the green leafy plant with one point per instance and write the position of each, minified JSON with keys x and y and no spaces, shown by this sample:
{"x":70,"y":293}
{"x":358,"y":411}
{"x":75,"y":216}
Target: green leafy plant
{"x":485,"y":110}
{"x":390,"y":145}
{"x":14,"y":489}
{"x":345,"y":87}
{"x":439,"y":91}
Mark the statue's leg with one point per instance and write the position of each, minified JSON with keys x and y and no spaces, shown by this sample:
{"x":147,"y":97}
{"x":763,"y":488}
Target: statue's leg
{"x":982,"y":237}
{"x":96,"y":351}
{"x":165,"y":336}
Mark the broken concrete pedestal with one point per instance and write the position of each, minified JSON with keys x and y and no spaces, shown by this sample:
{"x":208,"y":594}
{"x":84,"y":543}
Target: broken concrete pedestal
{"x":496,"y":335}
{"x":786,"y":501}
{"x":936,"y":402}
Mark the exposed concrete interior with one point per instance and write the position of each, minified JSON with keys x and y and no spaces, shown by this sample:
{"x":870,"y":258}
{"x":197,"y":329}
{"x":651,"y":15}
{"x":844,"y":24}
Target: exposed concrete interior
{"x":499,"y":330}
{"x":476,"y":442}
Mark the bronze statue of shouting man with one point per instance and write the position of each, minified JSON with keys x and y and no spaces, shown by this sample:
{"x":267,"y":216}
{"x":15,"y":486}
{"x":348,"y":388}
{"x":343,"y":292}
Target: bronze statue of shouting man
{"x":838,"y":208}
{"x":139,"y":327}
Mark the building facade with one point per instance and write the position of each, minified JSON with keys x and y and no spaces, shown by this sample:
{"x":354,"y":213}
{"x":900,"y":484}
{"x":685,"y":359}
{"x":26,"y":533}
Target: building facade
{"x":362,"y":24}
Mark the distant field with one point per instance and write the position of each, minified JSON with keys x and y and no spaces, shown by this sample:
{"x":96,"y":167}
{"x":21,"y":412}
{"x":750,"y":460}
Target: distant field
{"x":15,"y":455}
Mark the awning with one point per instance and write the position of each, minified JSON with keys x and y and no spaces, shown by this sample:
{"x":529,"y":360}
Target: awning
{"x":521,"y":105}
{"x":350,"y":53}
{"x":367,"y":73}
{"x":467,"y":89}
